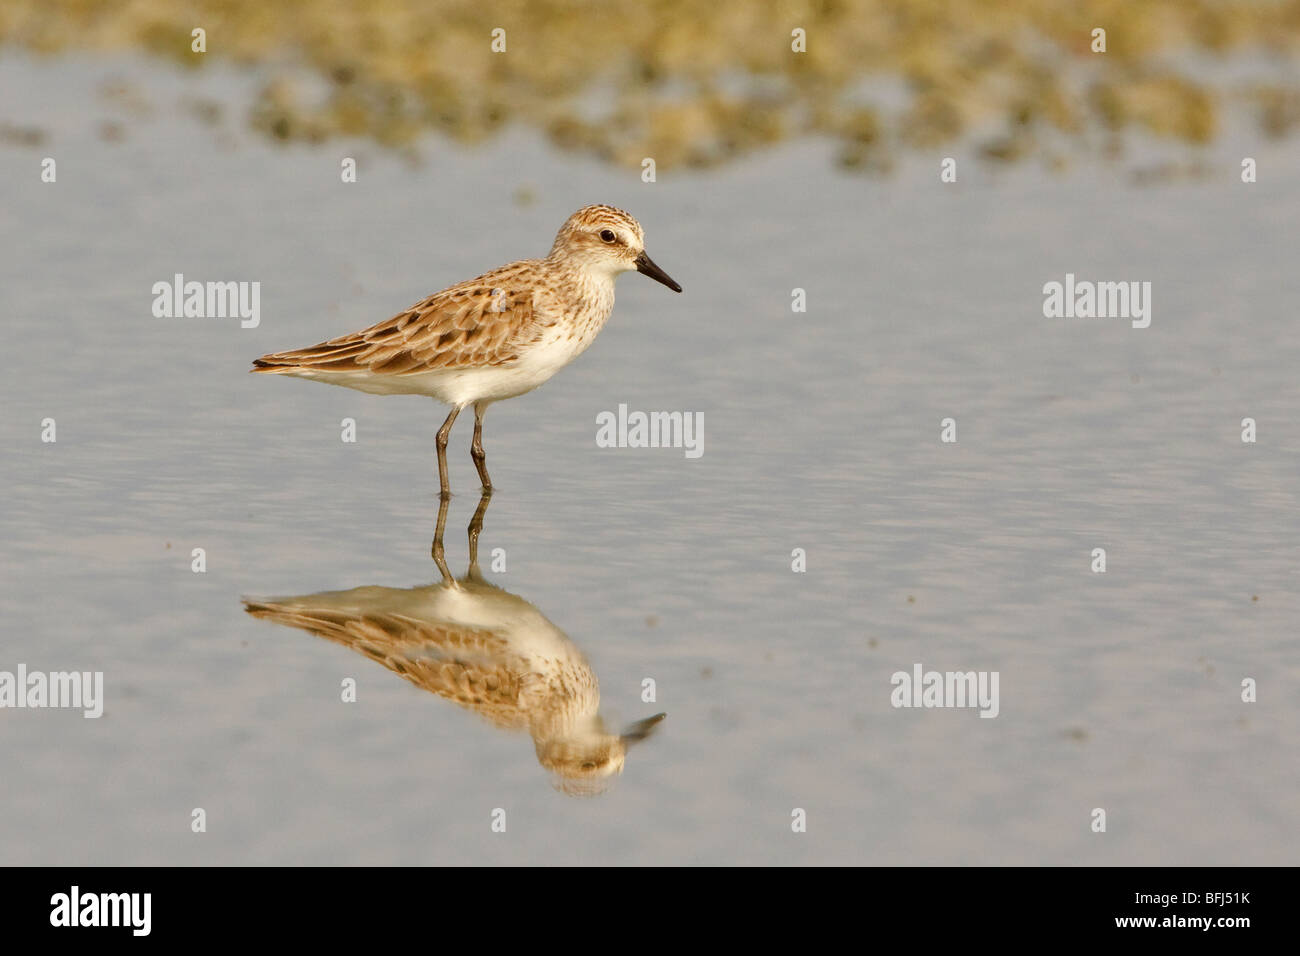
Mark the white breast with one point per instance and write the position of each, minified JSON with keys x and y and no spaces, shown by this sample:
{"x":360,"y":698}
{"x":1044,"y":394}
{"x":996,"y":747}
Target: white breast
{"x":569,"y":334}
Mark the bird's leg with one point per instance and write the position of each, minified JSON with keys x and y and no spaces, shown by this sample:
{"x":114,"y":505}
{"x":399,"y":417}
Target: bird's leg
{"x":476,"y":449}
{"x":439,"y":557}
{"x":444,"y":434}
{"x":476,"y":528}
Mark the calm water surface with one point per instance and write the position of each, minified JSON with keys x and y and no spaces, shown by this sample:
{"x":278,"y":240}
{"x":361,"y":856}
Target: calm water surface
{"x":1118,"y":690}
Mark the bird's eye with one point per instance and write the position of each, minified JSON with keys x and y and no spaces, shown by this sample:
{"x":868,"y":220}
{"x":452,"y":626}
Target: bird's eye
{"x":589,"y":765}
{"x":607,"y":235}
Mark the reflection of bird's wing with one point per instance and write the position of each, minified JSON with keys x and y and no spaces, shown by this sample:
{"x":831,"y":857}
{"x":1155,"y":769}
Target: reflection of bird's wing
{"x":473,"y":668}
{"x":480,"y":322}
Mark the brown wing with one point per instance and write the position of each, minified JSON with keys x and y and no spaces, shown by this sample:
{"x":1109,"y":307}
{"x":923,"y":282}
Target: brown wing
{"x":484,"y":321}
{"x":469,"y":667}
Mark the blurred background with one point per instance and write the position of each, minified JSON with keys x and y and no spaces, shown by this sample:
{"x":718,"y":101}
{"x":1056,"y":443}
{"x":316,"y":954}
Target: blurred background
{"x":775,"y":171}
{"x":699,"y":84}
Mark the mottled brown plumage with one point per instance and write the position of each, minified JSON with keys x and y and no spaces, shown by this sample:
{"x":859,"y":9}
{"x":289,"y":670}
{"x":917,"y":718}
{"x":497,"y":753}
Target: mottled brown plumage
{"x":482,"y":322}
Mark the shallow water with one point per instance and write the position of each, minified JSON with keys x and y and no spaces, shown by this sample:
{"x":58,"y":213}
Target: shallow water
{"x":1118,"y":690}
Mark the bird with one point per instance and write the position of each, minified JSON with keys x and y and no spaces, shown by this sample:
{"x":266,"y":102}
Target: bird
{"x":483,"y":648}
{"x":492,"y":337}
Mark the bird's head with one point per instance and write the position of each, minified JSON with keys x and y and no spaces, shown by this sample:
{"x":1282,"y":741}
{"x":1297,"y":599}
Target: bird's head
{"x":608,"y":241}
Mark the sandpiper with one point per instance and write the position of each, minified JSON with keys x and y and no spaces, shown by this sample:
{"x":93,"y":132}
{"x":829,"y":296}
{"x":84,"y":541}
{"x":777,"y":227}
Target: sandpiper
{"x":493,"y":337}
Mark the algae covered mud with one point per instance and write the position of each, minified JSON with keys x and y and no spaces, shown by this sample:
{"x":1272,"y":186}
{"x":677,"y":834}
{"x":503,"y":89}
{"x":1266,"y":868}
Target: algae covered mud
{"x":698,"y":83}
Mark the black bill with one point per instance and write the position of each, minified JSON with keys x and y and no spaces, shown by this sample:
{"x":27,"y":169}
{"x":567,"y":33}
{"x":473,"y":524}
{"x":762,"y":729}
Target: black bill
{"x":646,"y":266}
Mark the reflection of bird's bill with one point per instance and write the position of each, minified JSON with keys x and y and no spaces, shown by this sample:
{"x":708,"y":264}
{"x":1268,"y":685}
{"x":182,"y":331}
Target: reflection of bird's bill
{"x":641,"y":729}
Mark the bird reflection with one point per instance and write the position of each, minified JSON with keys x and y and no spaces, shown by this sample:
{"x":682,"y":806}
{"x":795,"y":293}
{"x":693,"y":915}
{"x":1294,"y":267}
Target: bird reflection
{"x":483,"y":648}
